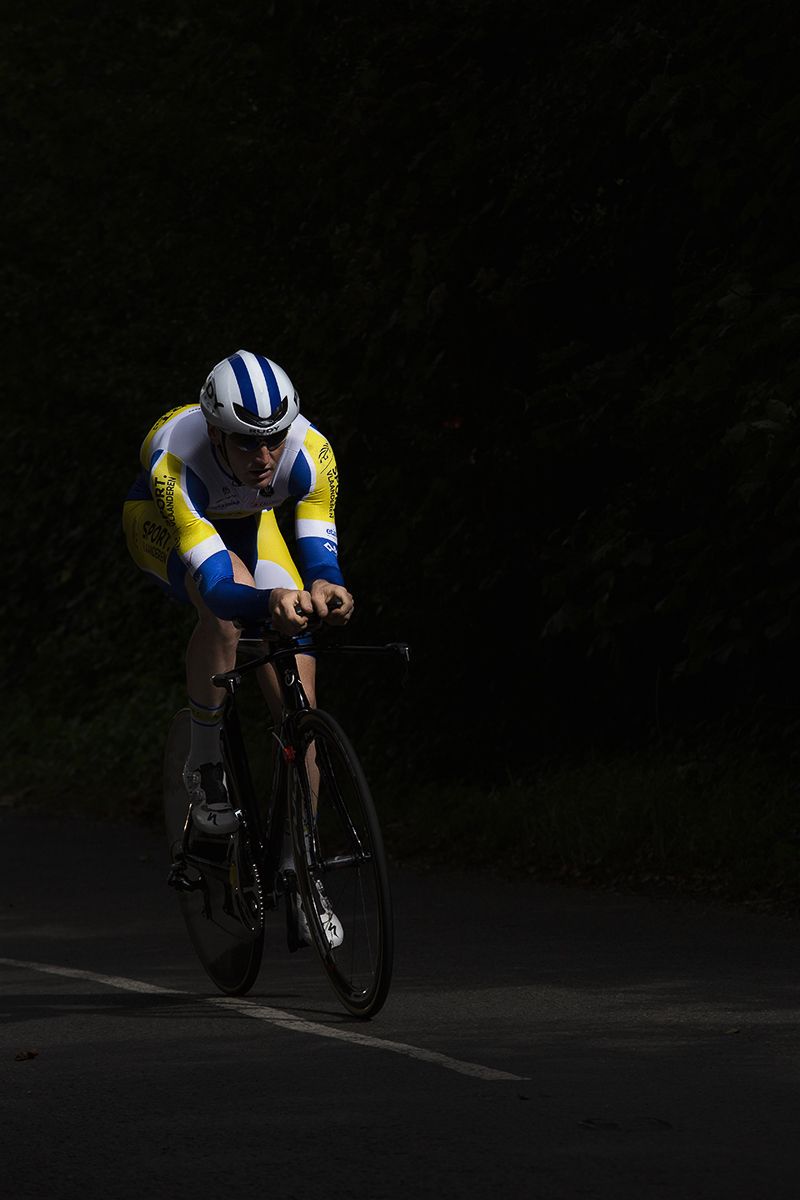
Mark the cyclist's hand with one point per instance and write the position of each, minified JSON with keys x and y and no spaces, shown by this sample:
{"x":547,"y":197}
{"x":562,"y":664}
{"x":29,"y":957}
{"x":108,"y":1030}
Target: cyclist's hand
{"x":323,"y":593}
{"x":284,"y":604}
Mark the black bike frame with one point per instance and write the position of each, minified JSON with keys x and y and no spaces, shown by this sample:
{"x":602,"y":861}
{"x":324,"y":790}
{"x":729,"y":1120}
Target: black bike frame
{"x":267,"y":844}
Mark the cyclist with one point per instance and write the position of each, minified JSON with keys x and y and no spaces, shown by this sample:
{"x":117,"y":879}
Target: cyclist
{"x":200,"y":522}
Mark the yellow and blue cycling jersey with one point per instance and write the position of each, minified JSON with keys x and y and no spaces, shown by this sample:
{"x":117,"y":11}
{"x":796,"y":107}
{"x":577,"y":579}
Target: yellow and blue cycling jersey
{"x":186,"y":512}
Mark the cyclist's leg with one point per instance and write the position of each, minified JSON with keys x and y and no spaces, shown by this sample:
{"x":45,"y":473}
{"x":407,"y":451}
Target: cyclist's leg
{"x":211,"y":650}
{"x":212,"y":646}
{"x":152,"y":547}
{"x":307,"y":666}
{"x":275,"y":568}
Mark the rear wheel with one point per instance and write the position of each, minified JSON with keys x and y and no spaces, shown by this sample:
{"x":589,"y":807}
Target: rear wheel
{"x":215,"y":878}
{"x":341,"y":866}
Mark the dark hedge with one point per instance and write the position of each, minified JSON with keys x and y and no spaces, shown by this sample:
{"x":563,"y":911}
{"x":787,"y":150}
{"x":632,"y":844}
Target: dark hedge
{"x":533,"y":270}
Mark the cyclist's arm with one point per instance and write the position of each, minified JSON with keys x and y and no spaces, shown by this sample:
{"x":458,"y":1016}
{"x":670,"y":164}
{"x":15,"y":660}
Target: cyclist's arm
{"x":315,"y":482}
{"x":181,"y":497}
{"x":315,"y":478}
{"x":227,"y":599}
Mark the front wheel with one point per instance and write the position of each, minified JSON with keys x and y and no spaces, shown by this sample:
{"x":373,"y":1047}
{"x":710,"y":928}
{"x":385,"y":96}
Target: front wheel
{"x":340,"y":865}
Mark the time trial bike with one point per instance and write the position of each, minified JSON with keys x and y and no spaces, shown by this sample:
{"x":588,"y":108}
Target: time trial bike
{"x":316,"y":850}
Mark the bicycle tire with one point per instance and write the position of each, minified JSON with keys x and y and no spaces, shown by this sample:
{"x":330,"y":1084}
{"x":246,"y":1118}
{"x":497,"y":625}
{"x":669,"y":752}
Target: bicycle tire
{"x":340,"y":848}
{"x":216,"y":914}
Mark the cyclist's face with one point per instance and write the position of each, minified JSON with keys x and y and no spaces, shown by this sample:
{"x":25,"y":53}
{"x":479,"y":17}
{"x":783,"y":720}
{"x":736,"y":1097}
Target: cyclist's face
{"x":253,"y":467}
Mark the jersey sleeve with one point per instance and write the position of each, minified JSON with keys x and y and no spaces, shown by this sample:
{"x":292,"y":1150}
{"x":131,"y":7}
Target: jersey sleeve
{"x":315,"y":481}
{"x":182,"y":497}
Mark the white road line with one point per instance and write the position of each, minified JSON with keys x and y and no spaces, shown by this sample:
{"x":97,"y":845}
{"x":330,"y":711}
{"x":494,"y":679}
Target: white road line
{"x":117,"y":981}
{"x":263,"y":1012}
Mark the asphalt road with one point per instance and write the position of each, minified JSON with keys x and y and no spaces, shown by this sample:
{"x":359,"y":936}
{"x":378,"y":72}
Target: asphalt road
{"x":537,"y":1042}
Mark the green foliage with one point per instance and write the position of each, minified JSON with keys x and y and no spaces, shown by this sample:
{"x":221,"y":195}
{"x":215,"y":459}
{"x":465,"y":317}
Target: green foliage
{"x":698,"y":527}
{"x":707,"y":828}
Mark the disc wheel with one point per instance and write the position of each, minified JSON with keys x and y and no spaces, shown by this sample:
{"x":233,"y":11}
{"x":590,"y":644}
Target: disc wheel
{"x":341,"y":866}
{"x":216,"y":880}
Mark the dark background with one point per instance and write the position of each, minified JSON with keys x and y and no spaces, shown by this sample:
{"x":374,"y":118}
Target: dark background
{"x":532,"y":268}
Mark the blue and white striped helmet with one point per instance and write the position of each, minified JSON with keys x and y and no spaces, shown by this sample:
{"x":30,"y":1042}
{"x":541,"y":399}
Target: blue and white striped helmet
{"x":248,"y":393}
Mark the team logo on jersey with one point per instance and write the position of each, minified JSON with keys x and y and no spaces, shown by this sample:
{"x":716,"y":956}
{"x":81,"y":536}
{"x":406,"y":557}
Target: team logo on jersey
{"x":164,"y":496}
{"x":333,"y":480}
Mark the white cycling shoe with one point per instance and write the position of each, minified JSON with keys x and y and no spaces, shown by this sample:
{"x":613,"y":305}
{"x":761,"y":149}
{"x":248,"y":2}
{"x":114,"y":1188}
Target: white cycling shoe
{"x":212,"y":811}
{"x":330,"y":922}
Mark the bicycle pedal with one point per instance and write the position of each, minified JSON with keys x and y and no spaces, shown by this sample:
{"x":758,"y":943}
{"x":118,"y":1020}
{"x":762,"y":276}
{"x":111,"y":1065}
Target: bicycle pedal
{"x":178,"y":879}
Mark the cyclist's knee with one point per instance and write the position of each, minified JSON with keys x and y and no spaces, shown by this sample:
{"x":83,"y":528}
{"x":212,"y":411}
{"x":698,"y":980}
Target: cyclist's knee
{"x":210,"y":627}
{"x":225,"y":633}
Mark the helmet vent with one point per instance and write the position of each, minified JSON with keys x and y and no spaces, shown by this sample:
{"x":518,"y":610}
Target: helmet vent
{"x":250,"y":418}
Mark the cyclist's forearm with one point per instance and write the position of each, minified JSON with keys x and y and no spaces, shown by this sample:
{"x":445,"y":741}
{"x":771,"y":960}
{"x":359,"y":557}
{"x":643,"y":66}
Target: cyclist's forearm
{"x":317,"y":548}
{"x":320,"y":568}
{"x":227,"y":599}
{"x":231,"y":601}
